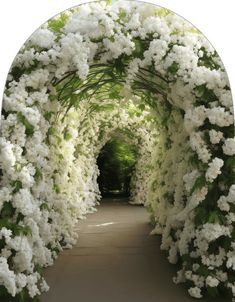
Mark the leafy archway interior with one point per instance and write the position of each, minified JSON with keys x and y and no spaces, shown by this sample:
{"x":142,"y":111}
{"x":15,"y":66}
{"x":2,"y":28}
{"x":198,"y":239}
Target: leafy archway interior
{"x":84,"y":75}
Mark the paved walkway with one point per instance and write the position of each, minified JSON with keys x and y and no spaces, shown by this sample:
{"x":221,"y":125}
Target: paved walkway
{"x":115,"y":260}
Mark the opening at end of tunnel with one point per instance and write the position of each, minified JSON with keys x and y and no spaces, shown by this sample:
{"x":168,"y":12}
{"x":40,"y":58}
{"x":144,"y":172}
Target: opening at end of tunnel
{"x":116,"y":163}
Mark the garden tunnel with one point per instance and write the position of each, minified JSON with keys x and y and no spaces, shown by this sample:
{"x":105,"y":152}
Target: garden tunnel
{"x":82,"y":76}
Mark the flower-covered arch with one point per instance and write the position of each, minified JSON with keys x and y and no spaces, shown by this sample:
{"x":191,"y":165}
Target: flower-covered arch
{"x":66,"y":89}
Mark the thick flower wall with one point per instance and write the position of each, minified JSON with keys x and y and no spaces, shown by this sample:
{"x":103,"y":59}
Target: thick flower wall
{"x":84,"y":75}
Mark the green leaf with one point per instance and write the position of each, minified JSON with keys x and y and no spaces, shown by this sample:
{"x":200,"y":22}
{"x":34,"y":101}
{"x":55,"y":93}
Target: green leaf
{"x":44,"y":206}
{"x":162,"y":12}
{"x":38,"y":174}
{"x":21,"y":230}
{"x":108,"y":2}
{"x":140,"y":46}
{"x":141,"y":107}
{"x":203,"y":270}
{"x":7,"y":210}
{"x":58,"y":23}
{"x":173,"y":68}
{"x":18,"y":166}
{"x":230,"y":162}
{"x":17,"y":185}
{"x":67,"y":136}
{"x":201,"y":216}
{"x":51,"y":131}
{"x":232,"y":208}
{"x":56,"y":188}
{"x":199,"y":183}
{"x":122,"y":15}
{"x":216,"y":217}
{"x":48,"y":115}
{"x":213,"y":292}
{"x":226,"y":243}
{"x":29,"y":129}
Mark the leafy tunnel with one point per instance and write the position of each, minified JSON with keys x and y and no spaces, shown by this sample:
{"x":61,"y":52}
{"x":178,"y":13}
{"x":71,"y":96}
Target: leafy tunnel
{"x":139,"y":71}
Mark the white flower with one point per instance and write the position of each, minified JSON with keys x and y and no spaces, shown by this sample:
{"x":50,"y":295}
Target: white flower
{"x":43,"y":38}
{"x":231,"y":261}
{"x":212,"y":282}
{"x":197,"y":144}
{"x":212,"y":231}
{"x":195,"y":292}
{"x":7,"y":157}
{"x":4,"y":232}
{"x":223,"y":204}
{"x":7,"y":277}
{"x":120,"y":44}
{"x":24,"y":202}
{"x":215,"y":136}
{"x":194,"y":118}
{"x":218,"y":116}
{"x":214,"y":169}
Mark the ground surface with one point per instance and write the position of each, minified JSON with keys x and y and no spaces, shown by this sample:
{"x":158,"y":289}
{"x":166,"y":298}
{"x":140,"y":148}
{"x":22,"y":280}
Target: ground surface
{"x":115,"y":260}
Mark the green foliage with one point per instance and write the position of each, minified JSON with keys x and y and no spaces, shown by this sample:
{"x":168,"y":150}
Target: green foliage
{"x":44,"y":206}
{"x":162,"y":12}
{"x":17,"y":185}
{"x":14,"y":227}
{"x":29,"y":129}
{"x":203,"y":270}
{"x":173,"y":68}
{"x":199,"y":183}
{"x":38,"y":175}
{"x":67,"y":135}
{"x":208,"y":61}
{"x":213,"y":292}
{"x":216,"y":217}
{"x":116,"y":162}
{"x":140,"y":47}
{"x":58,"y":23}
{"x":56,"y":188}
{"x":204,"y":95}
{"x":48,"y":115}
{"x":201,"y":216}
{"x":7,"y":210}
{"x":122,"y":15}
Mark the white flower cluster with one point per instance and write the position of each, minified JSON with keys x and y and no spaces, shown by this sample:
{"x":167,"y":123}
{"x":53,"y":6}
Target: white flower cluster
{"x":214,"y":169}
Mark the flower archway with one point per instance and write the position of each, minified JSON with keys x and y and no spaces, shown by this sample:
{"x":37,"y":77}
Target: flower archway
{"x":94,"y":69}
